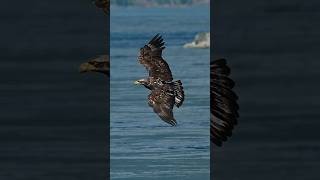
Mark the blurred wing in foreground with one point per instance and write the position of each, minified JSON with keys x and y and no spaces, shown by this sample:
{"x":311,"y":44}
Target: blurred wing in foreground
{"x":223,"y":107}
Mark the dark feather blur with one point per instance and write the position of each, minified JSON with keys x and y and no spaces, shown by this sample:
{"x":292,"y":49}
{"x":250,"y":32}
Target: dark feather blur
{"x":54,"y":121}
{"x":272,"y":50}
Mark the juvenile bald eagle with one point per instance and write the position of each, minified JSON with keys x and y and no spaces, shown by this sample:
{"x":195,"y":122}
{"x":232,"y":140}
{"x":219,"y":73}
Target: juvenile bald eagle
{"x":165,"y":93}
{"x":224,"y":107}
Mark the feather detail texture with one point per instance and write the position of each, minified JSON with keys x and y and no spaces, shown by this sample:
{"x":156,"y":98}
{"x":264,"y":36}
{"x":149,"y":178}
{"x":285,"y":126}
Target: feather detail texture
{"x":223,"y":102}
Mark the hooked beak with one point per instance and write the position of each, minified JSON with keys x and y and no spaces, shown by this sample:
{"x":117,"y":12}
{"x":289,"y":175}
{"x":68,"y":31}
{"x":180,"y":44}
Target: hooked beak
{"x":136,"y":82}
{"x":86,"y":67}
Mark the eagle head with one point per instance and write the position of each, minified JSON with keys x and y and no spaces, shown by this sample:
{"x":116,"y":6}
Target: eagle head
{"x":143,"y":82}
{"x":98,"y":64}
{"x":140,"y":82}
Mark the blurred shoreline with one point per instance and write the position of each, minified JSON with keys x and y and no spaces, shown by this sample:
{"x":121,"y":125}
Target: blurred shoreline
{"x":159,"y":3}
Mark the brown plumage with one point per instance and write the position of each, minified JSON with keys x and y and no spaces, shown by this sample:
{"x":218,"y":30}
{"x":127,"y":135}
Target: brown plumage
{"x":151,"y":58}
{"x":224,"y":107}
{"x":165,"y":93}
{"x":103,"y":4}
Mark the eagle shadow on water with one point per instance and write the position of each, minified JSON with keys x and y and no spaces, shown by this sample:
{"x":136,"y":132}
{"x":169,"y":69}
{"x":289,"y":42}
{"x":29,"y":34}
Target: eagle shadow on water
{"x":165,"y":93}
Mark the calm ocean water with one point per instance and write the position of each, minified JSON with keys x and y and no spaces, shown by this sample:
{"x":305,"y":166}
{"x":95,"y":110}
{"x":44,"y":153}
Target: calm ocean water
{"x":143,"y":146}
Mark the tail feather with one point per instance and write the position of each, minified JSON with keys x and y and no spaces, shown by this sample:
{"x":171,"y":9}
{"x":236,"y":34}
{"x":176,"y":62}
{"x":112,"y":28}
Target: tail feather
{"x":178,"y":93}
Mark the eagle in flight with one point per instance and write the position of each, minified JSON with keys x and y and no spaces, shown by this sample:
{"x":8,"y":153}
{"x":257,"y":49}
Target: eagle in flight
{"x":223,"y":102}
{"x":165,"y":93}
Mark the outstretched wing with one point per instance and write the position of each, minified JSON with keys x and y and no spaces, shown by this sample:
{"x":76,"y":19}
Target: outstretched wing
{"x":151,"y":57}
{"x":162,"y":103}
{"x":224,"y":107}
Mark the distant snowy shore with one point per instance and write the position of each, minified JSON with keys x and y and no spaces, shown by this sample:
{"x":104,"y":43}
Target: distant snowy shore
{"x":201,"y":40}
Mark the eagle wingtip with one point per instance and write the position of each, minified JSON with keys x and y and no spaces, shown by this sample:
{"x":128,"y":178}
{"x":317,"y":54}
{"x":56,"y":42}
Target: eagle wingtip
{"x":157,"y":41}
{"x":173,"y":122}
